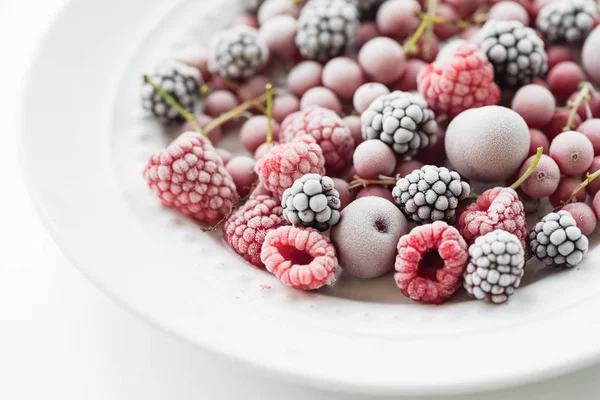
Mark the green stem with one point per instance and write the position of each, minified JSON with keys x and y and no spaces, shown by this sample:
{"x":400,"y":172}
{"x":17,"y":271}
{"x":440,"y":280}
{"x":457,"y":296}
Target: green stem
{"x":589,"y":178}
{"x":173,"y":103}
{"x":269,"y":89}
{"x":584,"y":95}
{"x":527,"y":174}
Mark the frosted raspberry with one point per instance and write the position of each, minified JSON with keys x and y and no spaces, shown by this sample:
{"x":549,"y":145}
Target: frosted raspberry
{"x":463,"y":81}
{"x":285,"y":163}
{"x":300,"y":257}
{"x":430,"y":263}
{"x":498,"y":208}
{"x":190,"y":176}
{"x":328,"y":129}
{"x":246,"y":229}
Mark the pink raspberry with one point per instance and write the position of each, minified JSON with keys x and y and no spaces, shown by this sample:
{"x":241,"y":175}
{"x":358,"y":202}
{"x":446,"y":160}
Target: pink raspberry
{"x":328,"y":129}
{"x":430,"y":263}
{"x":300,"y":257}
{"x":498,"y":208}
{"x":462,"y":82}
{"x":190,"y":176}
{"x":246,"y":229}
{"x":279,"y":168}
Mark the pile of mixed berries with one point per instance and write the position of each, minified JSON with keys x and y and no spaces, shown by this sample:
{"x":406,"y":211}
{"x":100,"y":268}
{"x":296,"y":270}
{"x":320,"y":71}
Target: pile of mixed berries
{"x":367,"y":123}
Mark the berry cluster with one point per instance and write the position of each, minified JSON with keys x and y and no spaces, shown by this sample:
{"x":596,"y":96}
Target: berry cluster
{"x":363,"y":156}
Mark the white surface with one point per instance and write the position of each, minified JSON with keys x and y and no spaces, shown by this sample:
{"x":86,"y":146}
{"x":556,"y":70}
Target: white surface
{"x":62,"y":339}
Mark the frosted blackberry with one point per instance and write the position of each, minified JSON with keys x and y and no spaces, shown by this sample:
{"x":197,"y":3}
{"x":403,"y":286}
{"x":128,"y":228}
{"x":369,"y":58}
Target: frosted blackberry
{"x":402,"y":120}
{"x":238,"y":53}
{"x":430,"y":194}
{"x":495,"y":266}
{"x":326,"y":28}
{"x":367,"y":8}
{"x":557,"y":241}
{"x":567,"y":20}
{"x":312,"y":201}
{"x":516,"y":52}
{"x":181,"y":82}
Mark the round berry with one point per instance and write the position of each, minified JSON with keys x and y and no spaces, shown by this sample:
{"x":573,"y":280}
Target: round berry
{"x":370,"y":251}
{"x":594,"y":186}
{"x":366,"y":31}
{"x":343,"y":188}
{"x":203,"y":120}
{"x":373,"y":158}
{"x":353,"y":123}
{"x":284,"y":105}
{"x":558,"y":122}
{"x":535,"y":104}
{"x":376,"y":191}
{"x":573,"y":152}
{"x":279,"y":34}
{"x":509,"y":11}
{"x":538,"y":139}
{"x":254,"y":132}
{"x":544,"y":179}
{"x":564,"y":79}
{"x":365,"y":95}
{"x":304,"y":76}
{"x":322,"y":97}
{"x":225,"y":155}
{"x":271,"y":9}
{"x":559,"y":53}
{"x":398,"y":18}
{"x":219,"y":102}
{"x":252,"y":88}
{"x":565,"y":189}
{"x":487,"y":144}
{"x":584,"y":217}
{"x":408,"y":82}
{"x":446,"y":31}
{"x":241,"y":169}
{"x":591,"y":129}
{"x":590,"y":58}
{"x":344,"y":76}
{"x":404,"y":167}
{"x":383,"y":60}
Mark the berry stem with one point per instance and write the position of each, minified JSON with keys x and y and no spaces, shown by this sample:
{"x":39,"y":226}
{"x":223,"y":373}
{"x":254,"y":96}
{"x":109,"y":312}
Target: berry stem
{"x":173,"y":103}
{"x":527,"y":174}
{"x":362,"y":182}
{"x":585,"y":89}
{"x":439,"y":20}
{"x":427,"y":24}
{"x":269,"y":90}
{"x":204,"y":90}
{"x":589,"y":178}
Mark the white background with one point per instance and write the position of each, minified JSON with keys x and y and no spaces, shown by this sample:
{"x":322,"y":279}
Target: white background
{"x":60,"y":338}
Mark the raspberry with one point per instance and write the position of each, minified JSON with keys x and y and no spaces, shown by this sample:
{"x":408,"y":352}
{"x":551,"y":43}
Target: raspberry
{"x":431,"y":262}
{"x":300,"y":257}
{"x":498,"y":208}
{"x":285,"y":163}
{"x":328,"y":129}
{"x":246,"y":229}
{"x":466,"y":80}
{"x":190,"y":176}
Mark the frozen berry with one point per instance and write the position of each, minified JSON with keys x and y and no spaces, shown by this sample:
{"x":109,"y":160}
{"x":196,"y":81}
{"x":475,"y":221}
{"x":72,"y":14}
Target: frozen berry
{"x":219,"y":102}
{"x":509,"y":11}
{"x":584,"y":217}
{"x":383,"y":60}
{"x":203,"y":120}
{"x":591,"y":130}
{"x":365,"y":95}
{"x":301,"y":258}
{"x":254,"y":132}
{"x":344,"y":76}
{"x":558,"y":122}
{"x":225,"y":155}
{"x":373,"y":158}
{"x":557,"y":241}
{"x":284,"y":105}
{"x":263,"y":149}
{"x":566,"y":187}
{"x":304,"y":76}
{"x":487,"y":144}
{"x":573,"y":152}
{"x":376,"y":191}
{"x":252,"y":88}
{"x":408,"y":82}
{"x":535,"y":104}
{"x":496,"y":266}
{"x":430,"y":263}
{"x":343,"y":188}
{"x":594,"y":186}
{"x":544,"y":179}
{"x":279,"y":34}
{"x":446,"y":31}
{"x":398,"y":18}
{"x":366,"y":31}
{"x":246,"y":229}
{"x":567,"y":20}
{"x":241,"y":169}
{"x":564,"y":79}
{"x":559,"y":53}
{"x":538,"y":139}
{"x":280,"y":167}
{"x":430,"y":194}
{"x":238,"y":53}
{"x":368,"y":251}
{"x":404,"y":167}
{"x":353,"y":123}
{"x":190,"y":176}
{"x":271,"y":9}
{"x":322,"y":97}
{"x":590,"y":60}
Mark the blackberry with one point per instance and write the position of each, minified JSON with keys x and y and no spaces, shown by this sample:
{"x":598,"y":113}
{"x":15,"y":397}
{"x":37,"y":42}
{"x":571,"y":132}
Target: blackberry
{"x":402,"y":120}
{"x":557,"y":241}
{"x":238,"y":53}
{"x":181,"y":82}
{"x":516,"y":52}
{"x":496,"y":266}
{"x":326,"y":28}
{"x":567,"y":20}
{"x":312,"y":201}
{"x":430,"y":194}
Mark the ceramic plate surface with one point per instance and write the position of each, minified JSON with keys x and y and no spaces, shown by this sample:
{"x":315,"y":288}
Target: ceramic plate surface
{"x":83,"y":142}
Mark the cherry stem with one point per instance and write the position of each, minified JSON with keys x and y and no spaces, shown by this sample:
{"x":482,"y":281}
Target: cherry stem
{"x":585,"y":89}
{"x":234,"y":207}
{"x":204,"y":90}
{"x":362,"y":182}
{"x":589,"y":178}
{"x":532,"y":167}
{"x":269,"y":90}
{"x":173,"y":103}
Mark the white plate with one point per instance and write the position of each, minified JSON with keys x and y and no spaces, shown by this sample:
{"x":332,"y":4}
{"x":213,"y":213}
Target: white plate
{"x":83,"y":143}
